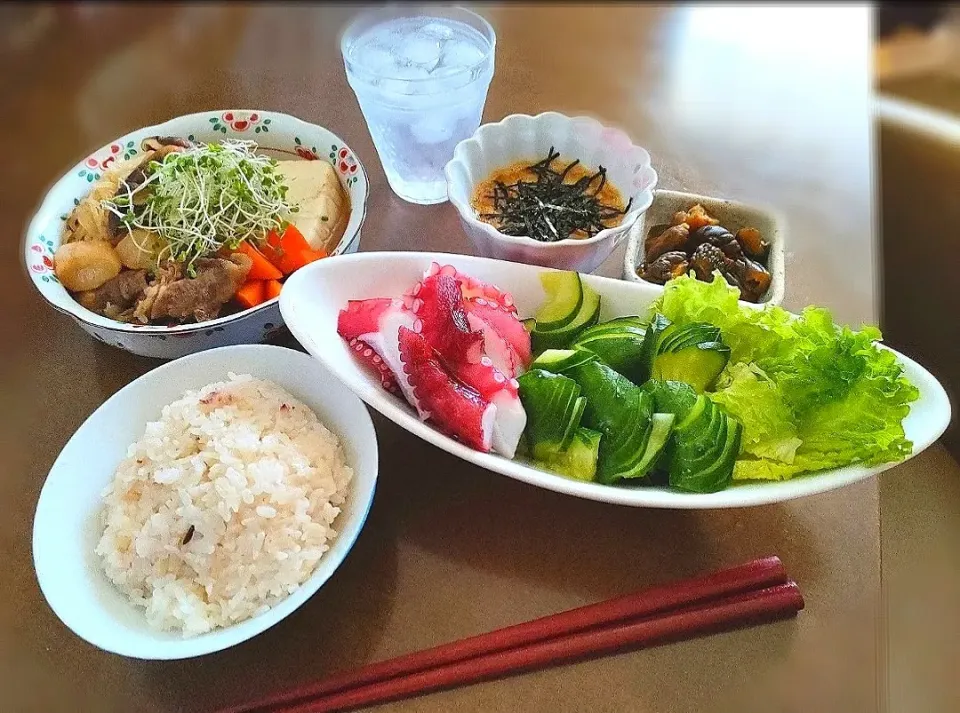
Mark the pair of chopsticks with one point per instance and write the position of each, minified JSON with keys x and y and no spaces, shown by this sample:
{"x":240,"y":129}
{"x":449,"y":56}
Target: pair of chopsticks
{"x":752,"y":593}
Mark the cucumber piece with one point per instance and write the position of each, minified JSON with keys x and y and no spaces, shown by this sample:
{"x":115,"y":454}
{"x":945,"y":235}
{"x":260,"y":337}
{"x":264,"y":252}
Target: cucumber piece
{"x":579,"y":459}
{"x":700,"y":406}
{"x":618,"y":462}
{"x":681,"y":336}
{"x":718,"y":474}
{"x":691,"y":352}
{"x":615,"y":325}
{"x":698,"y":365}
{"x":620,"y":348}
{"x":660,"y":430}
{"x":618,"y":409}
{"x":529,"y":323}
{"x":554,"y":408}
{"x":561,"y":360}
{"x":655,"y":331}
{"x":704,"y":445}
{"x":698,"y":444}
{"x":560,"y":338}
{"x":564,"y":299}
{"x":673,"y":397}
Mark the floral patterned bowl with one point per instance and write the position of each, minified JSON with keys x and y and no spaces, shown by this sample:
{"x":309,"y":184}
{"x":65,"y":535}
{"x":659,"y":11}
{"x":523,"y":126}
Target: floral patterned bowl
{"x":520,"y":137}
{"x":279,"y":135}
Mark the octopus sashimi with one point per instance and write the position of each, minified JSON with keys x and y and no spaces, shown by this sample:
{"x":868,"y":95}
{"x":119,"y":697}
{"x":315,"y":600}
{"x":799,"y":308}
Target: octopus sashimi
{"x":376,"y":323}
{"x":492,"y":312}
{"x":451,"y":345}
{"x":442,"y":319}
{"x":455,"y":407}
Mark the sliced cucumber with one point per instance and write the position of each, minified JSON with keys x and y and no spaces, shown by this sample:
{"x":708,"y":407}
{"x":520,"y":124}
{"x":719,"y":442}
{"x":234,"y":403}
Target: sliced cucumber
{"x":564,"y":299}
{"x":690,"y":353}
{"x":620,"y":347}
{"x":562,"y":337}
{"x":529,"y":323}
{"x":614,"y":325}
{"x":680,"y":336}
{"x":554,"y":408}
{"x":697,"y":365}
{"x":621,"y":411}
{"x":673,"y":397}
{"x":658,"y":325}
{"x":579,"y":459}
{"x":718,"y":473}
{"x":697,"y":456}
{"x":561,"y":360}
{"x":660,"y":430}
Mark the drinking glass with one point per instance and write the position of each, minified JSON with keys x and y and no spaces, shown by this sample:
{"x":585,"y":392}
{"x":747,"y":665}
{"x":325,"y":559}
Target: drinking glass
{"x":420,"y":74}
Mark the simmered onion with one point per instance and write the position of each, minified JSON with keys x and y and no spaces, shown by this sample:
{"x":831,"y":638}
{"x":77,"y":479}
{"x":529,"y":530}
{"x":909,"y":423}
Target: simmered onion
{"x":86,"y":265}
{"x":138,"y":250}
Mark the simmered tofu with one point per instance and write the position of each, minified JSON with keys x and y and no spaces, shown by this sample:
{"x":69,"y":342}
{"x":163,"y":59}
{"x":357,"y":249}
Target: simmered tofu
{"x":324,"y":206}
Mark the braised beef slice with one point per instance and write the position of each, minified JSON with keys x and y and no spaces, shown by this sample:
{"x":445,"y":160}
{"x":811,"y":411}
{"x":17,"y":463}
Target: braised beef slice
{"x":201,"y":297}
{"x":116,"y":295}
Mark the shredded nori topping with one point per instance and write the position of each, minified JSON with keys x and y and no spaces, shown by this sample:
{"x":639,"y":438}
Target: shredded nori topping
{"x":548,"y":209}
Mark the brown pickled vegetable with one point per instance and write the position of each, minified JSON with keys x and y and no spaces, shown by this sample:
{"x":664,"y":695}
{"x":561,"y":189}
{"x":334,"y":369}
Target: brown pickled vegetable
{"x":753,"y":243}
{"x":696,"y":241}
{"x":718,"y":236}
{"x":671,"y":239}
{"x":665,"y":267}
{"x":706,"y":260}
{"x":695,"y":217}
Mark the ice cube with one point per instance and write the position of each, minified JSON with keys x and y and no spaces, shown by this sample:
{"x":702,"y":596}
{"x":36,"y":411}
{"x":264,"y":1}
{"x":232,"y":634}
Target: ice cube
{"x":436,"y":30}
{"x":404,"y":79}
{"x":377,"y":60}
{"x":433,"y":129}
{"x":417,"y":50}
{"x":461,"y":55}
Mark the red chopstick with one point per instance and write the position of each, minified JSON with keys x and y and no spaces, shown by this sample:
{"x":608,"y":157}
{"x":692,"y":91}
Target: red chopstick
{"x":778,"y":602}
{"x":748,"y":577}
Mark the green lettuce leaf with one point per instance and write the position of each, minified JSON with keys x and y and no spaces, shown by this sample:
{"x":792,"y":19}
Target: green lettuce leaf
{"x":751,"y":397}
{"x":802,"y":379}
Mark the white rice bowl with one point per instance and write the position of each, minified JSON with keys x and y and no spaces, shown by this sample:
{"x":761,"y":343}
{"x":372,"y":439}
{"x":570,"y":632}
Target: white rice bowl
{"x":224,"y":507}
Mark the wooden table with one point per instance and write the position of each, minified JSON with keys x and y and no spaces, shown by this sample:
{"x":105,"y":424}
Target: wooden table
{"x":730,"y":102}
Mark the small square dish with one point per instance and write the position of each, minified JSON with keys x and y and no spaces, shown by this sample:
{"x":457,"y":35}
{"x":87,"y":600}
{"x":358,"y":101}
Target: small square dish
{"x":731,"y":215}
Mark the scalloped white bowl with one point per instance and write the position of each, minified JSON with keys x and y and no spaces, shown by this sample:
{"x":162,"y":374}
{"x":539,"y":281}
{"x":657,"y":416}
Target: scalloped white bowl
{"x":279,"y":135}
{"x":522,"y":137}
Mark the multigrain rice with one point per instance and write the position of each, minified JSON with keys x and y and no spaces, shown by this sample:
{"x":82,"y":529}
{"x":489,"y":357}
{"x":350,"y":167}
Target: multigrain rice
{"x":224,"y":507}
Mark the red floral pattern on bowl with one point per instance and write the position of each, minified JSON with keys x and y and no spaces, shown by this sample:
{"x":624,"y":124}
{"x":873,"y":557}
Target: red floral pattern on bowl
{"x":343,"y":160}
{"x":307,"y":154}
{"x":95,"y":165}
{"x":41,"y":261}
{"x":240,"y":122}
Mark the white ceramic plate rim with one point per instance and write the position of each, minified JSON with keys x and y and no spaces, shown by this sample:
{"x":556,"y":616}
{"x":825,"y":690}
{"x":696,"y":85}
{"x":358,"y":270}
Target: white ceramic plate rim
{"x":43,"y":215}
{"x":642,"y":199}
{"x":739,"y":495}
{"x":226,"y":637}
